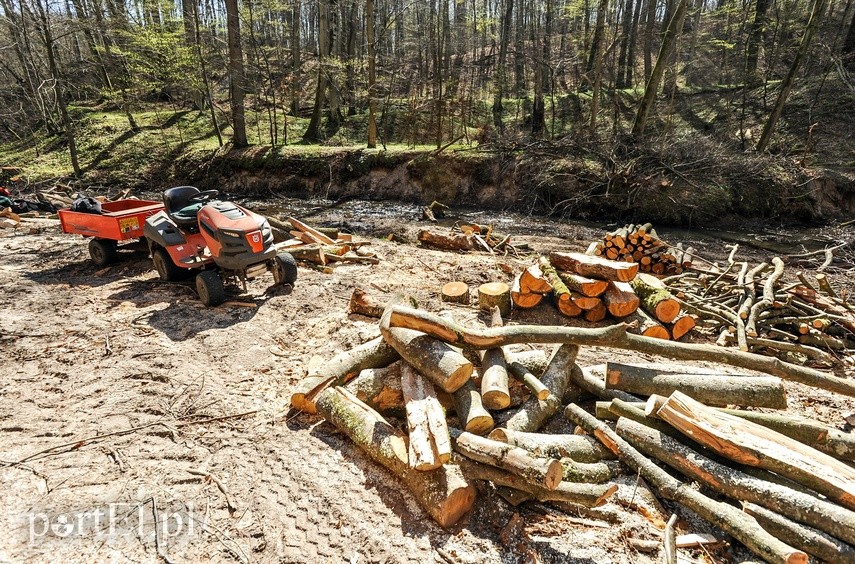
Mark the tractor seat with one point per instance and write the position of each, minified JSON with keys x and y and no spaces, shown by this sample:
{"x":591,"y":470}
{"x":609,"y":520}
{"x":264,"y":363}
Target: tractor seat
{"x":179,"y":208}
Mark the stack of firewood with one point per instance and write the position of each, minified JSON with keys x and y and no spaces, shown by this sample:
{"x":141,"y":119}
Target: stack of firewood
{"x":640,"y":244}
{"x":321,"y":247}
{"x":751,"y":307}
{"x":424,"y":367}
{"x":593,"y":287}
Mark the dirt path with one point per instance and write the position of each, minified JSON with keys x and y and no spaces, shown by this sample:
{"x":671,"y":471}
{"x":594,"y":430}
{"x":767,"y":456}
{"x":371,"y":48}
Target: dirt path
{"x":91,"y":352}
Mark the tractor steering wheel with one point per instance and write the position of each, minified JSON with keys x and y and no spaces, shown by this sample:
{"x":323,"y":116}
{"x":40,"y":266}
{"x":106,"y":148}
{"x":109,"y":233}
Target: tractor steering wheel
{"x":204,"y":196}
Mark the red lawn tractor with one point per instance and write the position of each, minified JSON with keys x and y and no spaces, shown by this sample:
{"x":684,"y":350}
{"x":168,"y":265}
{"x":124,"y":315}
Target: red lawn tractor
{"x":220,"y":241}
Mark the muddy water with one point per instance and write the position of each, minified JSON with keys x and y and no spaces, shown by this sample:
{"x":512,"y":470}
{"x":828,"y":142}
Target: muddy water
{"x":378,"y":218}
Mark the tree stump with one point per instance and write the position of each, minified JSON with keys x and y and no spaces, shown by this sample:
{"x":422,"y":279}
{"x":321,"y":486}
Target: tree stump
{"x":456,"y":292}
{"x":495,"y":294}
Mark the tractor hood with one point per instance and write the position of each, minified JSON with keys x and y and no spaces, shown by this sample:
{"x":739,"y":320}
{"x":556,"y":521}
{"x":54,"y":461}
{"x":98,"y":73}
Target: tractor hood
{"x":231,"y":217}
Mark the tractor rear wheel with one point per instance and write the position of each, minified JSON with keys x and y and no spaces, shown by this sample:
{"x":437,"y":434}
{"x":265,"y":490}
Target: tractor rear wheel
{"x":284,"y":269}
{"x":103,"y":251}
{"x":210,"y":288}
{"x":166,"y":269}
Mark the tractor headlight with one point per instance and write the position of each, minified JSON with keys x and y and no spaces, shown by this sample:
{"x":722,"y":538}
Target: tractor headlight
{"x":231,"y":234}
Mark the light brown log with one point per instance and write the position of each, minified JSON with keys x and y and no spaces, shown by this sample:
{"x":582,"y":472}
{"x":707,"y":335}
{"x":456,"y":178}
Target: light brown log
{"x":713,"y":389}
{"x":583,"y":285}
{"x":362,"y":304}
{"x":533,"y":281}
{"x":560,"y":294}
{"x":656,"y":300}
{"x":533,"y":414}
{"x":495,"y":294}
{"x":642,"y":324}
{"x":596,"y":314}
{"x":524,"y":375}
{"x":494,"y":372}
{"x":545,"y":473}
{"x":584,"y":302}
{"x":593,"y":267}
{"x":728,"y":518}
{"x":429,"y":444}
{"x":614,"y":336}
{"x":581,"y":448}
{"x":470,"y":410}
{"x":592,"y":380}
{"x":587,"y":495}
{"x":816,"y":543}
{"x":682,"y":325}
{"x":300,"y":226}
{"x":455,"y":292}
{"x":798,"y":505}
{"x":620,"y":300}
{"x":434,"y":359}
{"x":447,"y":241}
{"x":376,"y":353}
{"x":589,"y":472}
{"x":825,"y":285}
{"x":444,"y":493}
{"x":311,"y":253}
{"x":522,"y":298}
{"x":535,"y":360}
{"x":754,"y":445}
{"x":379,"y":388}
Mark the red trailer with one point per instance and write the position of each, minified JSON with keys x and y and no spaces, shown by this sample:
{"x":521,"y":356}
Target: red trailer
{"x":122,"y":220}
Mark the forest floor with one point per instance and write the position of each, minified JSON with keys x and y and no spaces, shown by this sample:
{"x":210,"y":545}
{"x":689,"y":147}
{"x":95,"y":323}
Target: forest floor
{"x":123,"y":394}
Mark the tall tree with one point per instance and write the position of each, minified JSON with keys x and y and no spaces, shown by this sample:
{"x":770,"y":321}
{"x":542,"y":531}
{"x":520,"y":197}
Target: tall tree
{"x":504,"y":38}
{"x":755,"y":39}
{"x":236,"y":74}
{"x":848,"y":49}
{"x":313,"y":131}
{"x":372,"y":74}
{"x":596,"y":63}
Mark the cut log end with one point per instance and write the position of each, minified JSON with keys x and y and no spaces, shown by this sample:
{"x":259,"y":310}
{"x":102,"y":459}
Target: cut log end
{"x":495,"y":294}
{"x":455,"y":292}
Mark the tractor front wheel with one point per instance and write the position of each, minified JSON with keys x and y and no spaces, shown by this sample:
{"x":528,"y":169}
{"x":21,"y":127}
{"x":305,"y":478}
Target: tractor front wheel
{"x":210,"y":288}
{"x":284,"y":269}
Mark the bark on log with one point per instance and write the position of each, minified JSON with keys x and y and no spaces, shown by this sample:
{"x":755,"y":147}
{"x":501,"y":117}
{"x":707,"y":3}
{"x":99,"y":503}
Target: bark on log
{"x":534,"y":413}
{"x":682,"y":325}
{"x":751,"y":444}
{"x":379,"y":388}
{"x":444,"y":493}
{"x":363,"y":304}
{"x":524,"y":299}
{"x":544,"y":473}
{"x":560,"y":294}
{"x":768,"y":297}
{"x":593,"y":267}
{"x":642,"y":324}
{"x":470,"y":410}
{"x":494,"y":372}
{"x":310,"y":253}
{"x":620,"y":300}
{"x":535,"y":361}
{"x":455,"y":292}
{"x":731,"y":520}
{"x":736,"y":484}
{"x":495,"y":294}
{"x":592,"y":380}
{"x":533,"y":281}
{"x":711,"y":389}
{"x":816,"y":543}
{"x":596,"y":314}
{"x":587,"y":495}
{"x":614,"y":336}
{"x":583,"y":285}
{"x":430,"y":444}
{"x":302,"y":227}
{"x":447,"y":241}
{"x":581,"y":448}
{"x":374,"y":354}
{"x":656,"y":300}
{"x":589,"y":472}
{"x":524,"y":375}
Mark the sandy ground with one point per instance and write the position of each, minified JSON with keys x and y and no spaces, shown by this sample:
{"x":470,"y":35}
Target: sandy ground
{"x":147,"y":427}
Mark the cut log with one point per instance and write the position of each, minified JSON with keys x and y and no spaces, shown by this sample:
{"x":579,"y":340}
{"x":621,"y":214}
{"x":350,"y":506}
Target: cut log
{"x":730,"y":519}
{"x":816,"y":543}
{"x":363,"y":304}
{"x":589,"y":472}
{"x":455,"y":292}
{"x":545,"y":473}
{"x":302,"y":227}
{"x":524,"y":299}
{"x":587,"y":495}
{"x":430,"y":444}
{"x":642,"y":324}
{"x":682,"y":325}
{"x":593,"y":267}
{"x":584,"y":302}
{"x":596,"y":314}
{"x":437,"y":361}
{"x":494,"y":372}
{"x":592,"y":380}
{"x":532,"y":415}
{"x":533,"y":281}
{"x":656,"y":300}
{"x":711,"y":389}
{"x":583,"y":285}
{"x":495,"y":294}
{"x":470,"y":410}
{"x":560,"y":293}
{"x":620,"y":300}
{"x":535,"y":361}
{"x":524,"y":375}
{"x":736,"y":484}
{"x":581,"y":448}
{"x":374,"y":354}
{"x":443,"y":493}
{"x":754,"y":445}
{"x":614,"y":336}
{"x":310,"y":253}
{"x":379,"y":388}
{"x":447,"y":241}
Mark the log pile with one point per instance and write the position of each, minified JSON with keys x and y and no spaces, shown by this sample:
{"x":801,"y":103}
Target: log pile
{"x":594,"y":288}
{"x":469,"y":237}
{"x":640,"y":244}
{"x":320,"y":247}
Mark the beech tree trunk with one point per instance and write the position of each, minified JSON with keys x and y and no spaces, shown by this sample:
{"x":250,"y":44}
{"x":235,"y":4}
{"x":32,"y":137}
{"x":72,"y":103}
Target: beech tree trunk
{"x":236,"y":74}
{"x":544,"y":473}
{"x":470,"y":410}
{"x":581,"y":448}
{"x":593,"y":267}
{"x":430,"y":444}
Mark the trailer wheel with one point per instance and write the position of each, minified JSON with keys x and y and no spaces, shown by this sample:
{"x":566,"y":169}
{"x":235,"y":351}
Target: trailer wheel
{"x":284,"y":269}
{"x":166,"y":269}
{"x":103,"y":251}
{"x":210,"y":288}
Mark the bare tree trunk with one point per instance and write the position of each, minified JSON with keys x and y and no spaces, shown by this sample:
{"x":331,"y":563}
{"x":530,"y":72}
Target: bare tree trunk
{"x":372,"y":74}
{"x":313,"y":130}
{"x":295,"y":58}
{"x":623,"y":61}
{"x":596,"y":63}
{"x":500,"y":69}
{"x":204,"y":72}
{"x":752,"y":50}
{"x":236,"y":74}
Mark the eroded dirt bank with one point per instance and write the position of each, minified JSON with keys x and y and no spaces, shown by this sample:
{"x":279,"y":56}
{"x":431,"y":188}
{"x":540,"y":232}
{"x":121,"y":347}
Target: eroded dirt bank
{"x":117,"y":354}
